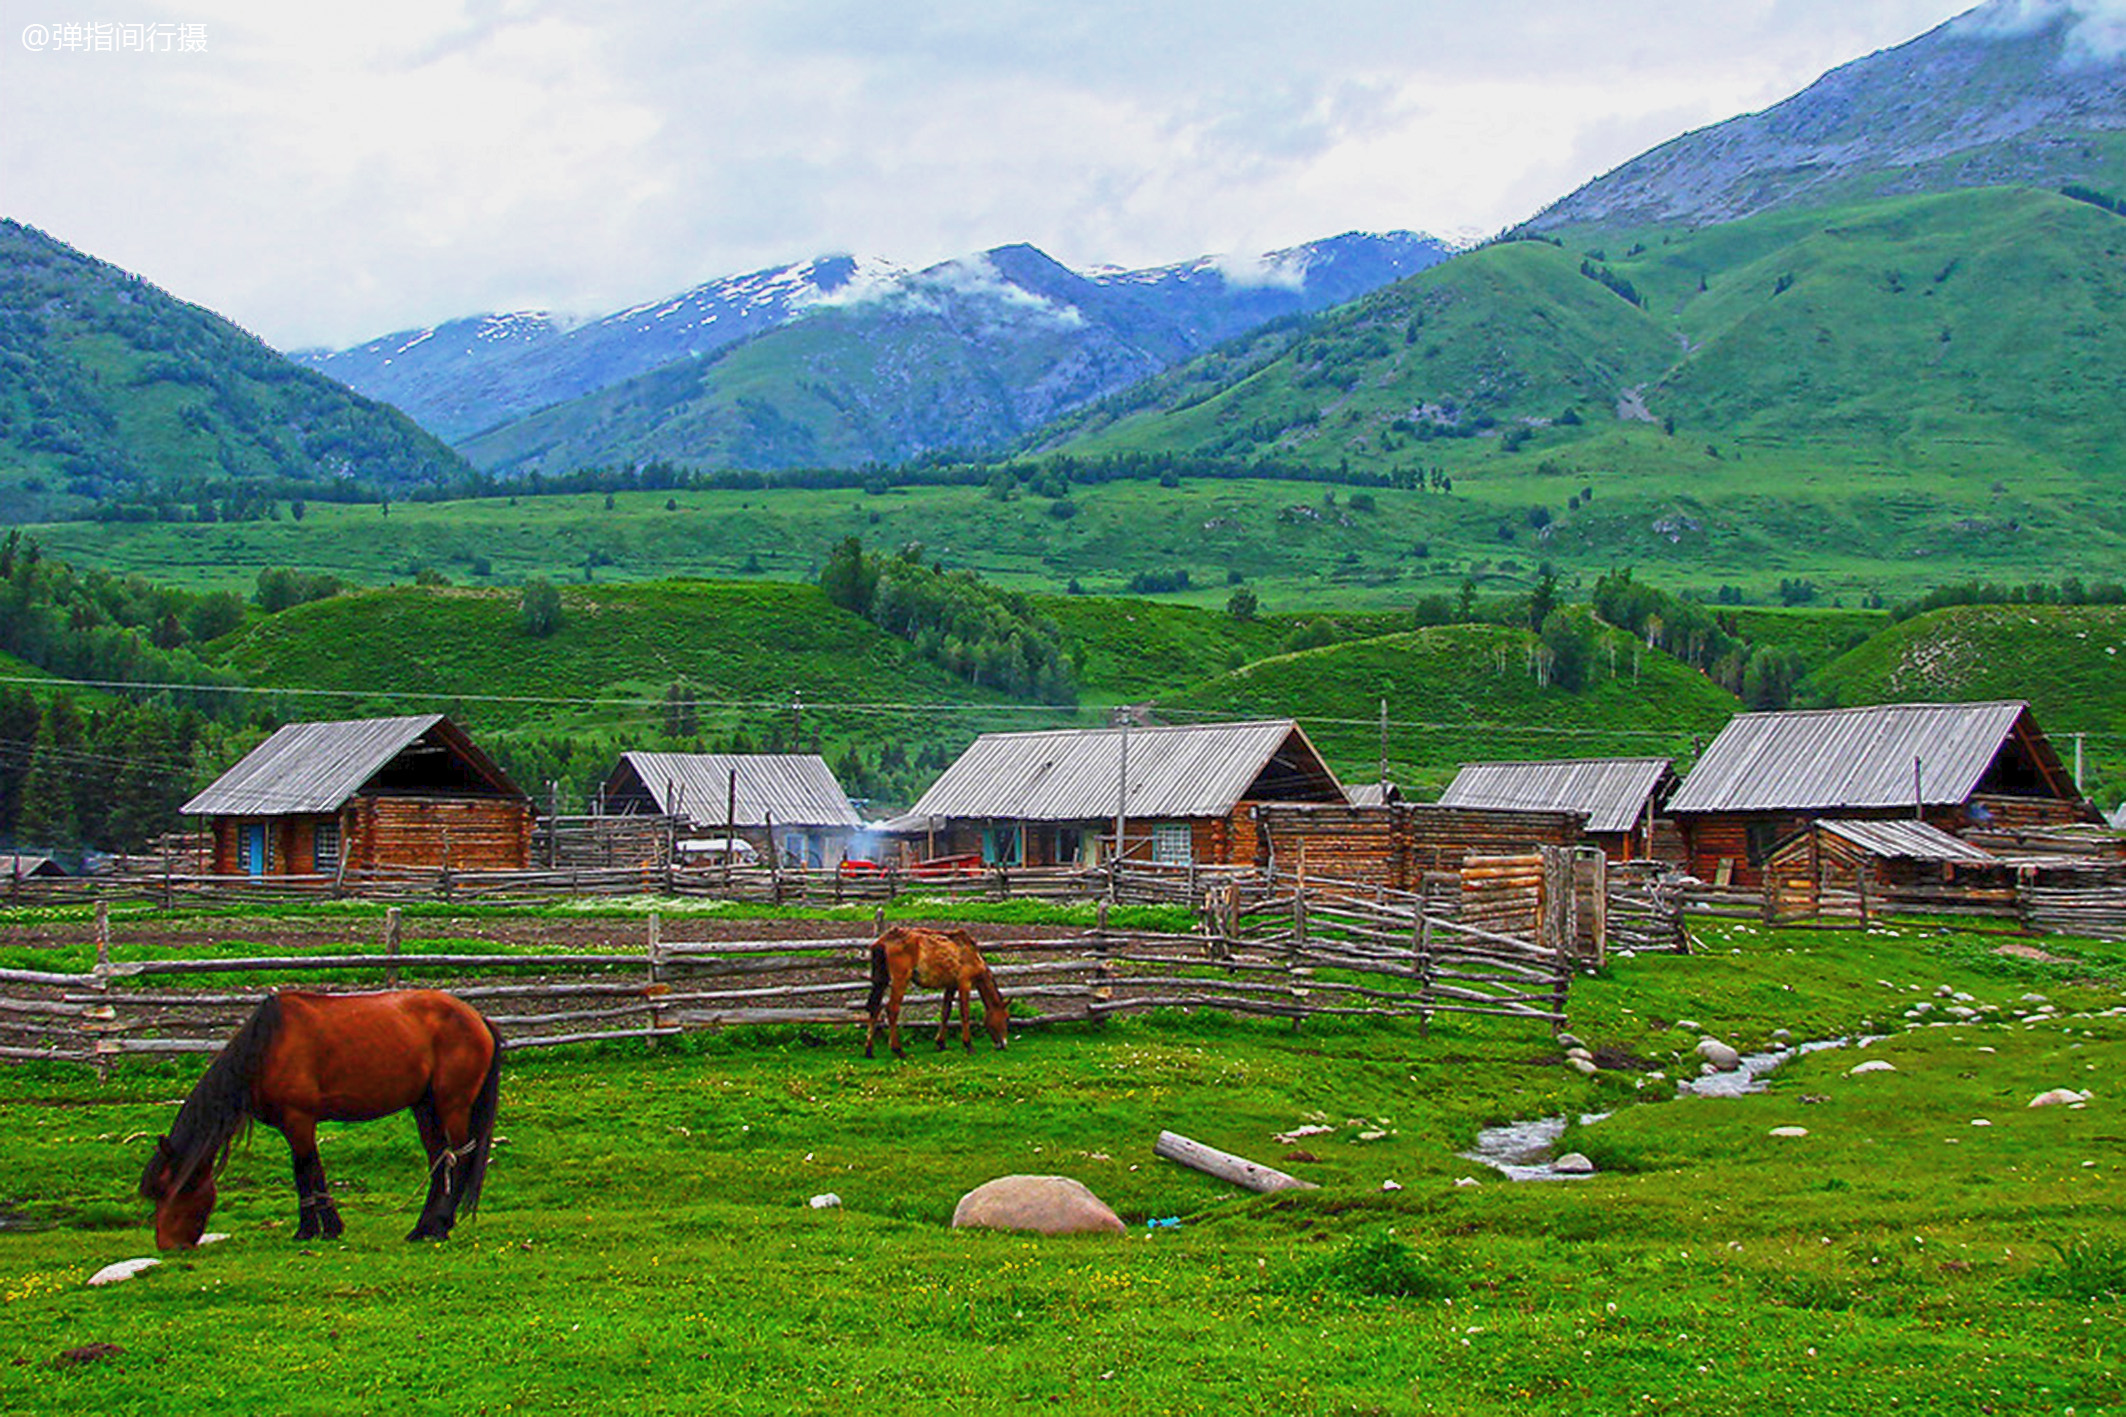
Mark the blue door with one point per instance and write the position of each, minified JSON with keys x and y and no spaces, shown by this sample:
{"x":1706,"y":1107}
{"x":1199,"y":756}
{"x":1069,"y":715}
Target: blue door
{"x":252,"y":849}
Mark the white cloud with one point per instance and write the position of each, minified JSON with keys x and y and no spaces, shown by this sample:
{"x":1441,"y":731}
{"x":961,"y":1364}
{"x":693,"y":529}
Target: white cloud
{"x":2096,"y":28}
{"x":324,"y":174}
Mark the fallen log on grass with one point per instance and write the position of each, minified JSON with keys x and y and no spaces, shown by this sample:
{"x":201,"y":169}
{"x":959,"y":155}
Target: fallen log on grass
{"x":1226,"y":1166}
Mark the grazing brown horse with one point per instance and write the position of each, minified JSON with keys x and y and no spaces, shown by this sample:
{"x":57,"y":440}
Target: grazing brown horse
{"x":306,"y":1058}
{"x":934,"y":959}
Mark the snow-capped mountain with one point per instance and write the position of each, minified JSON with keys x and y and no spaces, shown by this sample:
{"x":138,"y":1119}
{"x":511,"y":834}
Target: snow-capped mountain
{"x":1034,"y":337}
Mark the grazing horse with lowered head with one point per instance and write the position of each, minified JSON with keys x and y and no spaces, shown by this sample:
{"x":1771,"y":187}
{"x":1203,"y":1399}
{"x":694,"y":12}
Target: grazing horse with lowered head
{"x":934,"y":959}
{"x":305,"y":1058}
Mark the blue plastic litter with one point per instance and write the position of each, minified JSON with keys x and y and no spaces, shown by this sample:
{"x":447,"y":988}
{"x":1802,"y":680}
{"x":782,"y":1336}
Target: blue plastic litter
{"x":1169,"y":1222}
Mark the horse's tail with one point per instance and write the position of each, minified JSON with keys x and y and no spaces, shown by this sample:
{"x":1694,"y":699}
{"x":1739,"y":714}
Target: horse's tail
{"x":881,"y":977}
{"x":482,"y":1125}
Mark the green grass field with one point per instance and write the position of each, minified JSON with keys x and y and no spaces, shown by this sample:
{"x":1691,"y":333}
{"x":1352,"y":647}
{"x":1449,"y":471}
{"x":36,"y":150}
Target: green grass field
{"x":646,"y":1243}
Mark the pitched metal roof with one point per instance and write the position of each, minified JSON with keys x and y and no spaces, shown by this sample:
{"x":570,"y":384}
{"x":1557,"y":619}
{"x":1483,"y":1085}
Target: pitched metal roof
{"x":796,"y":789}
{"x":14,"y":864}
{"x":316,"y":767}
{"x":1908,"y":841}
{"x":1073,"y":775}
{"x":1610,"y":792}
{"x":1822,"y":759}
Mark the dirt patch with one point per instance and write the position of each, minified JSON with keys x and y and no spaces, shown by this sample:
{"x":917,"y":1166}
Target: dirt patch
{"x":2032,"y":953}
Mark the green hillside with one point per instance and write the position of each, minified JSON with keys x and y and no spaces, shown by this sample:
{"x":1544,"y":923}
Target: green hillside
{"x":1466,"y":693}
{"x":108,"y":386}
{"x":1908,"y":384}
{"x":775,"y":664}
{"x":2068,"y":661}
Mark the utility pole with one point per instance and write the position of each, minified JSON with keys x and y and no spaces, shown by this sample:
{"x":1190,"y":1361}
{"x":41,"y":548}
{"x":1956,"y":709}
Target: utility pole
{"x":1383,"y":752}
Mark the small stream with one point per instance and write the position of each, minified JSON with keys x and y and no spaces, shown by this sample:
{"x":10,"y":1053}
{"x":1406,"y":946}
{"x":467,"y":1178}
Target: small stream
{"x":1523,"y":1151}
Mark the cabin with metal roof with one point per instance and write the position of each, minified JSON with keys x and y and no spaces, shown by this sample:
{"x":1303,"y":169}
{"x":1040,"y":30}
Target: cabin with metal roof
{"x":1953,"y":766}
{"x":1891,"y":859}
{"x":1179,"y":795}
{"x":785,"y":806}
{"x":22,"y":866}
{"x":372,"y":794}
{"x":1618,"y":797}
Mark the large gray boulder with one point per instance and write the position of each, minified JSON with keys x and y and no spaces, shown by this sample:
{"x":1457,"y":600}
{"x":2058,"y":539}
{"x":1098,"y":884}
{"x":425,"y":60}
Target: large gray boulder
{"x":1047,"y":1205}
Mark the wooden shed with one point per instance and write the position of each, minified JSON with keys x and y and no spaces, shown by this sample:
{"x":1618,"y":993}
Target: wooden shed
{"x":1953,"y":766}
{"x":365,"y":795}
{"x":21,"y":866}
{"x":1398,"y":845}
{"x":1842,"y":864}
{"x":1182,"y":795}
{"x":1619,"y":797}
{"x":786,"y":806}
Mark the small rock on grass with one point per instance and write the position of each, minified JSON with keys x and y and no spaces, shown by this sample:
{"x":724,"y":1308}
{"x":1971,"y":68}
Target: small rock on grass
{"x":1790,"y":1131}
{"x":1873,"y":1065}
{"x":2059,"y":1097}
{"x":1573,"y":1163}
{"x":1719,"y":1054}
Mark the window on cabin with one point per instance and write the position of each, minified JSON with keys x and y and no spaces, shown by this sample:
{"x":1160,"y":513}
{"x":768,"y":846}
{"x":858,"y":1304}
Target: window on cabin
{"x":1172,"y":844}
{"x":1763,"y":836}
{"x":325,"y":846}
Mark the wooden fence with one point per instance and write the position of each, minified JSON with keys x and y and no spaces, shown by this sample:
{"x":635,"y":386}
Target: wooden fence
{"x":1297,"y":955}
{"x":1136,"y":884}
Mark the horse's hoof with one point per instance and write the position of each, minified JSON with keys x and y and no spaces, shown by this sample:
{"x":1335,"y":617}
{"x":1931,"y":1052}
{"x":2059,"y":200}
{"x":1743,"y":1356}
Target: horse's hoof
{"x":308,"y":1232}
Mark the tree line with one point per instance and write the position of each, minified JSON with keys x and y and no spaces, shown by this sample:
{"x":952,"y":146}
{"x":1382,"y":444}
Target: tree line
{"x":987,"y":636}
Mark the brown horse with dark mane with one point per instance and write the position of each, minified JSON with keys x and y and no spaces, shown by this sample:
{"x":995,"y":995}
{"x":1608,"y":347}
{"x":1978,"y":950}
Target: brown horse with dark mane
{"x":302,"y":1059}
{"x":934,"y":959}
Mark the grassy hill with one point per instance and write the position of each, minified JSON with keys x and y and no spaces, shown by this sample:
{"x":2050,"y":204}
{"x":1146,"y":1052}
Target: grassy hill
{"x":565,"y":705}
{"x":108,"y":385}
{"x":2068,"y":661}
{"x":1918,"y":382}
{"x":1465,"y":693}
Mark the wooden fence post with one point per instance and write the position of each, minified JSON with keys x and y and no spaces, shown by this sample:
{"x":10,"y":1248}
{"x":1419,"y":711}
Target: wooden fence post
{"x":878,"y":921}
{"x":391,"y":946}
{"x":1424,"y":973}
{"x":102,"y":980}
{"x":656,"y":990}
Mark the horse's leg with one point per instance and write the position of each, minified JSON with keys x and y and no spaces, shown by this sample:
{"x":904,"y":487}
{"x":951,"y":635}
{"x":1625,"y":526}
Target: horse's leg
{"x":944,"y":1016}
{"x":437,"y":1147}
{"x":966,"y":1017}
{"x":315,"y":1213}
{"x":893,"y":1017}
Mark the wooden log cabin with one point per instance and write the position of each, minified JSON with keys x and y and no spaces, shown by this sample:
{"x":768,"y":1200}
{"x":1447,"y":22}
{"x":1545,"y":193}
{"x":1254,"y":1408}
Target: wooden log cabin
{"x":1957,"y":767}
{"x":788,"y":807}
{"x":374,"y":794}
{"x":1398,"y":845}
{"x":1619,"y":797}
{"x":1182,"y":795}
{"x":1891,"y":860}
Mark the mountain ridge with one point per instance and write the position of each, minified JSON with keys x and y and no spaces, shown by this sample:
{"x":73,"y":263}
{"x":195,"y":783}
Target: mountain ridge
{"x":1984,"y":99}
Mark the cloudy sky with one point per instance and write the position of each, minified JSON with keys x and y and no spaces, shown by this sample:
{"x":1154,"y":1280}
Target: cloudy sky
{"x":322,"y":172}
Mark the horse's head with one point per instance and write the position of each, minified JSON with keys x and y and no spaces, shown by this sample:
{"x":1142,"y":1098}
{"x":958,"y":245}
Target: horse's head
{"x":183,"y":1198}
{"x":997,"y":1018}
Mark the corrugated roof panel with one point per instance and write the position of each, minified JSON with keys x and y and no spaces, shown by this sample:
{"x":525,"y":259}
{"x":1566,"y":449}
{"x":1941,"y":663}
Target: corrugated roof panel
{"x":309,"y":767}
{"x":1819,"y":759}
{"x":798,"y":789}
{"x":1074,"y":775}
{"x":1610,"y":792}
{"x":1909,"y":841}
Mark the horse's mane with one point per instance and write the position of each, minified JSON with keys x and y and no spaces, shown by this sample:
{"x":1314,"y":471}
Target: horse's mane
{"x":219,"y":1106}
